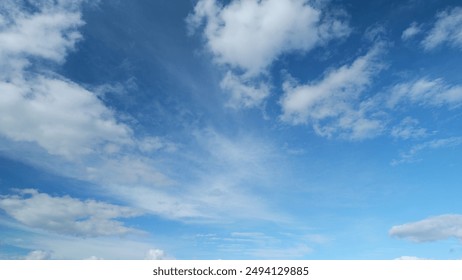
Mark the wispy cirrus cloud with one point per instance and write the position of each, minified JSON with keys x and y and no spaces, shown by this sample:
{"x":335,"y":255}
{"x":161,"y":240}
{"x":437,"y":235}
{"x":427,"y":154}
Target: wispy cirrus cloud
{"x":333,"y":105}
{"x":446,"y":30}
{"x":410,"y":32}
{"x":412,"y":153}
{"x":426,"y":92}
{"x":408,"y":128}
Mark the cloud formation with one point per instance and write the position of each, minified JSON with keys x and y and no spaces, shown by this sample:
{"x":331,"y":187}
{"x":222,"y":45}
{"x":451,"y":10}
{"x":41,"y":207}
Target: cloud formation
{"x":38,"y":255}
{"x":410,"y":156}
{"x":446,"y":30}
{"x":249,"y":36}
{"x":426,"y":92}
{"x":252,"y":34}
{"x":408,"y":128}
{"x":66,"y":215}
{"x":411,"y":31}
{"x":430,"y":229}
{"x":40,"y":106}
{"x":331,"y":104}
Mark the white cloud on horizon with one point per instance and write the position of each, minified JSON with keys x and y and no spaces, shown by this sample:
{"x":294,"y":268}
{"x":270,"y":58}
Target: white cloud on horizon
{"x":409,"y":258}
{"x":331,"y":104}
{"x":66,"y":215}
{"x":58,"y":247}
{"x":446,"y":30}
{"x":38,"y":255}
{"x":430,"y":229}
{"x":156,"y":254}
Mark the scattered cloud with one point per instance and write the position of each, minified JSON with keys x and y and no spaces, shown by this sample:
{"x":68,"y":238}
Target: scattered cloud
{"x":54,"y":246}
{"x":66,"y":215}
{"x":248,"y":36}
{"x":245,"y":93}
{"x":331,"y":104}
{"x":39,"y":106}
{"x":410,"y":32}
{"x":58,"y":115}
{"x":156,"y":254}
{"x":430,"y":229}
{"x":155,"y":143}
{"x":446,"y":30}
{"x":38,"y":255}
{"x":408,"y":129}
{"x":409,"y":258}
{"x":410,"y":156}
{"x":426,"y":92}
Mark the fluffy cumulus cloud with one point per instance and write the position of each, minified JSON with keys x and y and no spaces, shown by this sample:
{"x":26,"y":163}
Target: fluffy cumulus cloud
{"x":446,"y":30}
{"x":331,"y":104}
{"x":250,"y":35}
{"x":37,"y":105}
{"x":430,"y":229}
{"x":66,"y":215}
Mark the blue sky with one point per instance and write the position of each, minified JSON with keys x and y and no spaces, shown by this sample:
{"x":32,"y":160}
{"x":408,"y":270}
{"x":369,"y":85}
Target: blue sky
{"x":230,"y":129}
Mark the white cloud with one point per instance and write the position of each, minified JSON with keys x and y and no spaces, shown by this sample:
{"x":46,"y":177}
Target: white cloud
{"x":408,"y":129}
{"x":252,"y":34}
{"x":446,"y":30}
{"x":410,"y":156}
{"x":66,"y":215}
{"x":430,"y":229}
{"x":426,"y":92}
{"x":38,"y":255}
{"x":22,"y":33}
{"x":153,"y":144}
{"x":156,"y":254}
{"x":333,"y":104}
{"x":409,"y":258}
{"x":248,"y":36}
{"x":39,"y":106}
{"x":58,"y":115}
{"x":411,"y":31}
{"x":244,"y":92}
{"x":75,"y":248}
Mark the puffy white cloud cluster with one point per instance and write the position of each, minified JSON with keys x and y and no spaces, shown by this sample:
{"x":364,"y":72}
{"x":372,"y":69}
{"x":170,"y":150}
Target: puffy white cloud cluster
{"x":248,"y":36}
{"x":37,"y":105}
